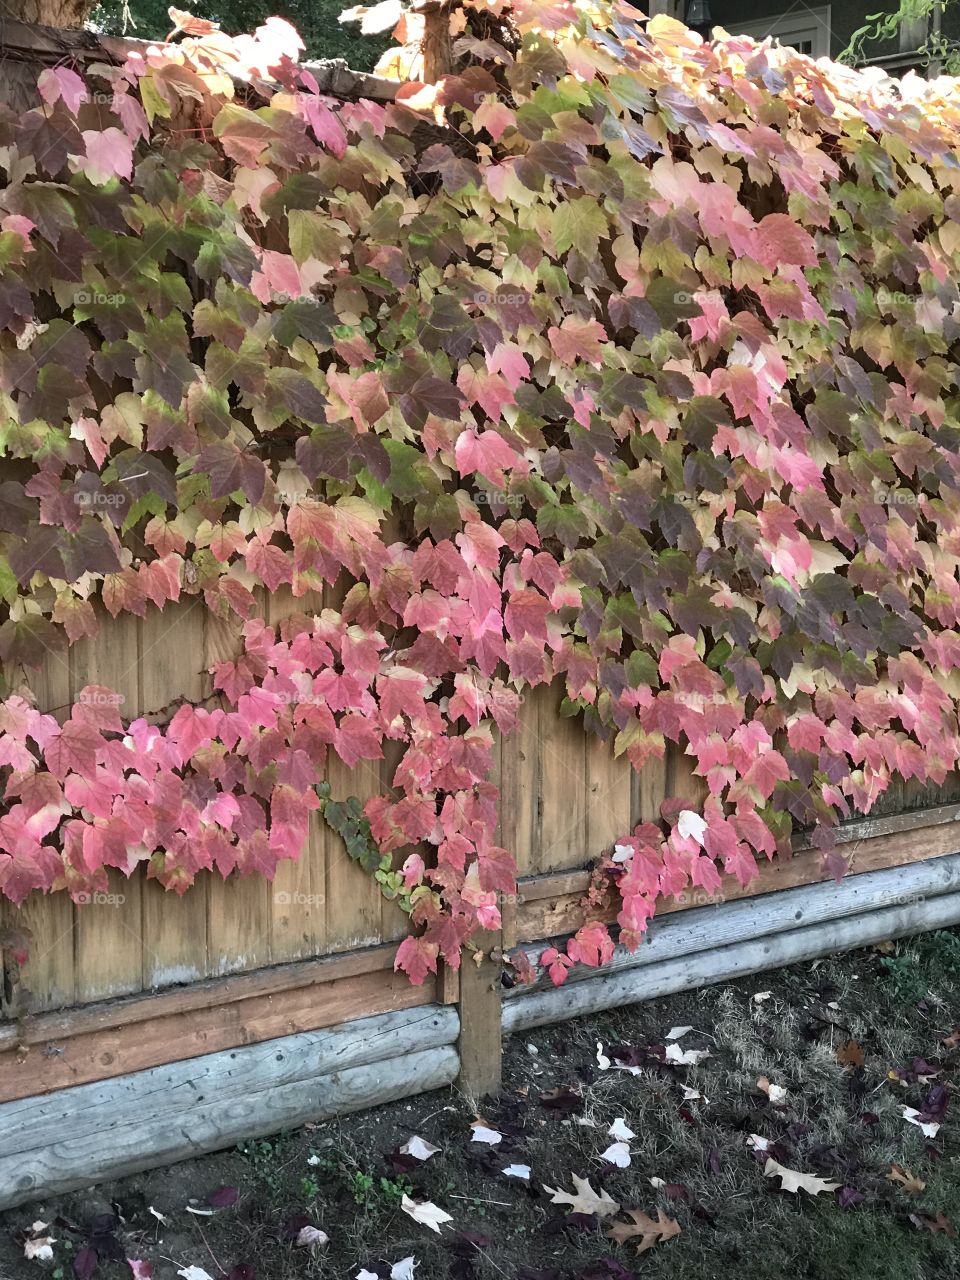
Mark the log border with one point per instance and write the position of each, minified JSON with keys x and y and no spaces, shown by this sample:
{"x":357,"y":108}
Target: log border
{"x":94,"y":1132}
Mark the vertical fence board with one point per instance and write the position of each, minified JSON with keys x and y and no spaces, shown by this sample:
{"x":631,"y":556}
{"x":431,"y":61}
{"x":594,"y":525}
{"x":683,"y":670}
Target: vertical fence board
{"x":298,"y":894}
{"x":649,"y":788}
{"x":394,"y":921}
{"x":239,"y":908}
{"x":171,"y":658}
{"x":609,"y":795}
{"x":109,"y":938}
{"x":353,"y":897}
{"x":525,"y":753}
{"x":563,"y":786}
{"x":50,"y":971}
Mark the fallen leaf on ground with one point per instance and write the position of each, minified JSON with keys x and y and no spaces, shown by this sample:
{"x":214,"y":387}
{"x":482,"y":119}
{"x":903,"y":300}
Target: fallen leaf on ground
{"x":952,"y":1041}
{"x":426,"y":1213}
{"x":791,"y":1180}
{"x":194,"y":1273}
{"x":758,"y":997}
{"x":908,"y":1180}
{"x":159,"y":1216}
{"x":40,"y":1248}
{"x":775,"y":1092}
{"x":650,"y":1232}
{"x":756,"y":1143}
{"x":617,"y":1153}
{"x":521,"y":1171}
{"x":940,"y":1223}
{"x":585,"y":1200}
{"x":850,"y":1054}
{"x":694,"y":1095}
{"x":312,"y":1235}
{"x":403,"y":1270}
{"x":482,"y":1134}
{"x":223,"y":1197}
{"x":685,"y":1057}
{"x":141,"y":1270}
{"x":929,"y":1128}
{"x":619,"y":1130}
{"x":677,"y":1033}
{"x":419,"y":1148}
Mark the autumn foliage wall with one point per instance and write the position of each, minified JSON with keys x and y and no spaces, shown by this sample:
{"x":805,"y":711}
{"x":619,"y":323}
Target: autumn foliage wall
{"x":614,"y":359}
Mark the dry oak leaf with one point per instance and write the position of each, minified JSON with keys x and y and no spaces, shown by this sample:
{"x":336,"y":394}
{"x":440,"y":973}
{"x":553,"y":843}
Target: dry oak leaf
{"x":909,"y":1180}
{"x":650,"y":1232}
{"x":791,"y":1180}
{"x":586,"y":1200}
{"x":850,"y":1054}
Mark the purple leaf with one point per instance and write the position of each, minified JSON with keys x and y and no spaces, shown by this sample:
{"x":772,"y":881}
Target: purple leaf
{"x":847,"y":1197}
{"x":223,"y":1197}
{"x":85,"y":1263}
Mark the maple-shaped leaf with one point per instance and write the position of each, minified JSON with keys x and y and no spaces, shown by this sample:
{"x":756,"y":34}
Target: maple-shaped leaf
{"x":791,"y":1180}
{"x":643,"y":1230}
{"x":231,"y":470}
{"x":584,"y":1199}
{"x":109,"y":154}
{"x":417,"y":958}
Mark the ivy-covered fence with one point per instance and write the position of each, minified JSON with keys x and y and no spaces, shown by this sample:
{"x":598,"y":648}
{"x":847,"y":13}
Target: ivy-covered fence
{"x":612,"y":363}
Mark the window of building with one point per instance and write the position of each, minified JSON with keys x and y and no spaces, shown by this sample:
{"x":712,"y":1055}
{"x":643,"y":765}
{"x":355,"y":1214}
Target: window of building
{"x":805,"y":29}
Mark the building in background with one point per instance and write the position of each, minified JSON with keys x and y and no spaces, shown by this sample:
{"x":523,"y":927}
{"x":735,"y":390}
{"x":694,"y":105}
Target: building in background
{"x":826,"y":30}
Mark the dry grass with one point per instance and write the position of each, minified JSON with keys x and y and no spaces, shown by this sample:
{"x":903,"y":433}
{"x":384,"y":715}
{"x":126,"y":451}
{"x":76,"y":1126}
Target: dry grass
{"x":835,"y":1121}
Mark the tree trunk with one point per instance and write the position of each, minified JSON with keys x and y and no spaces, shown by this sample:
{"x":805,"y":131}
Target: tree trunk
{"x":50,"y":13}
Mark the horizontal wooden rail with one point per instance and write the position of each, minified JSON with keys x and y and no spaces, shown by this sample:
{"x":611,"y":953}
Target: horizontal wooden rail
{"x":726,"y":963}
{"x":550,"y":906}
{"x":96,"y":1042}
{"x":133,"y":1122}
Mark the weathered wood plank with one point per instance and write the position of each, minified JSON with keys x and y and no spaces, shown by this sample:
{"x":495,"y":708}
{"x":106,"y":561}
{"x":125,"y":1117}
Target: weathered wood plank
{"x":99,"y":1055}
{"x":214,"y":992}
{"x":138,"y":1142}
{"x":40,"y":1121}
{"x":552,"y":905}
{"x":481,"y":1049}
{"x":109,"y":929}
{"x":170,"y":669}
{"x":705,"y":928}
{"x":240,"y":908}
{"x":563,"y":785}
{"x":724,"y":964}
{"x":609,"y":795}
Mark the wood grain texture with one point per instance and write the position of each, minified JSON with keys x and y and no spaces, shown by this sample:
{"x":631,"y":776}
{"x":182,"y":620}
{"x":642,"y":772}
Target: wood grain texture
{"x":99,"y":1055}
{"x":199,"y":995}
{"x":137,"y":1141}
{"x":481,"y":1050}
{"x":706,"y":928}
{"x":562,"y":782}
{"x":552,"y":905}
{"x":37,"y":1122}
{"x":109,"y":931}
{"x":648,"y":982}
{"x":240,"y":908}
{"x":170,"y":669}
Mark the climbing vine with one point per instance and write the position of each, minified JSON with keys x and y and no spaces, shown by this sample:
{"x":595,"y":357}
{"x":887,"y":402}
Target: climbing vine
{"x":613,"y":358}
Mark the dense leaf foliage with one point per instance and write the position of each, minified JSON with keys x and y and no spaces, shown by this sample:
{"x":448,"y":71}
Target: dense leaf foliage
{"x":616,"y":359}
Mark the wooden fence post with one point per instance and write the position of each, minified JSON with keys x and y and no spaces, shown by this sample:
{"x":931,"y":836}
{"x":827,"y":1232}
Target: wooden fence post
{"x":480,"y":1035}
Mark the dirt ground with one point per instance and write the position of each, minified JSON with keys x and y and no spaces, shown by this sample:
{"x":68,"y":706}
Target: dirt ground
{"x":810,"y":1067}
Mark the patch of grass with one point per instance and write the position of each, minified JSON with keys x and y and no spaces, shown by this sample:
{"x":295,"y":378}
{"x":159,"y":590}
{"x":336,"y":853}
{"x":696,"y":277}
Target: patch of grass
{"x":694,"y":1159}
